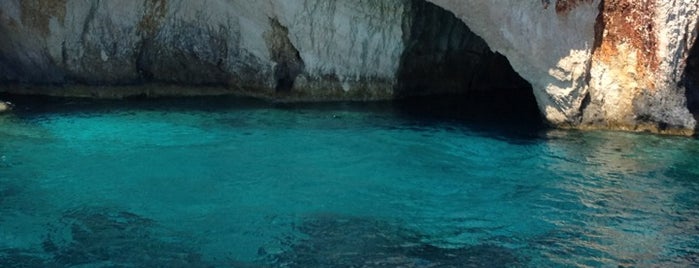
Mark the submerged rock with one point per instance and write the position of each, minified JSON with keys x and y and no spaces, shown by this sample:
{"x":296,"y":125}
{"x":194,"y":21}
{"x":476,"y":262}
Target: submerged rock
{"x":338,"y":241}
{"x":23,"y":258}
{"x":118,"y":238}
{"x":104,"y":237}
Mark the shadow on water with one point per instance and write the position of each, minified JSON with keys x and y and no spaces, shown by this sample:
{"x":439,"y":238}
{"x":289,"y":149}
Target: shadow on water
{"x":8,"y":189}
{"x":103,"y":237}
{"x":32,"y":105}
{"x":511,"y":116}
{"x":340,"y":241}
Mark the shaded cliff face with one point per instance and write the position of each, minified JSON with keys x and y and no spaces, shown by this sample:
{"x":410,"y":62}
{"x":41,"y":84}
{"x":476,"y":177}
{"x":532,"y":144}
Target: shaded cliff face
{"x":443,"y":56}
{"x":304,"y":49}
{"x":691,"y":81}
{"x":547,"y":42}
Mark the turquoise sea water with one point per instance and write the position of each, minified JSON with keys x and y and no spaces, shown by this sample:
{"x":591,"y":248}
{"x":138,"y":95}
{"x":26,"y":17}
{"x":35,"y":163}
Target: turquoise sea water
{"x":239,"y":183}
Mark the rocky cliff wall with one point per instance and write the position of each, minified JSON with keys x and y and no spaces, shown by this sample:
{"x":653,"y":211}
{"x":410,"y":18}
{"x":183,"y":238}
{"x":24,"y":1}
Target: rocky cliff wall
{"x":321,"y":48}
{"x":616,"y":64}
{"x":612,"y":64}
{"x":551,"y":51}
{"x":303,"y":49}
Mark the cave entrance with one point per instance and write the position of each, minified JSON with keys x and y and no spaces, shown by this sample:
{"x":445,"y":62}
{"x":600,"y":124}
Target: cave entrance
{"x":447,"y":70}
{"x":691,"y":80}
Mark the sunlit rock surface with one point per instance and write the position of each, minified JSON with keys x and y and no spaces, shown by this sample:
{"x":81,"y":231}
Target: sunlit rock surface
{"x":591,"y":64}
{"x":638,"y":65}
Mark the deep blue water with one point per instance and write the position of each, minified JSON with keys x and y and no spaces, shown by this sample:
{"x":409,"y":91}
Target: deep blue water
{"x":240,"y":183}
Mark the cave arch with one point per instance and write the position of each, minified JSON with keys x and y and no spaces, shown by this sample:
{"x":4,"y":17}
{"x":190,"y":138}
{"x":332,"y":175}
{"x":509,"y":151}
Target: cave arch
{"x":444,"y":61}
{"x":691,"y":80}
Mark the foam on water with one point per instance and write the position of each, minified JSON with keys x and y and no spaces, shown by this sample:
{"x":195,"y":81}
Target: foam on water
{"x":242,"y":183}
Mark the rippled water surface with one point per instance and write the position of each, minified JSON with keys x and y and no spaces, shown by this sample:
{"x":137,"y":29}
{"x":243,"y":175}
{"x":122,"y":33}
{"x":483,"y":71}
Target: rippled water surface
{"x":239,"y":183}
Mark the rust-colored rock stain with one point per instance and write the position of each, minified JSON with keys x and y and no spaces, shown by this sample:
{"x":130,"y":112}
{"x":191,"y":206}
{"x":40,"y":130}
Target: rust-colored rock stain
{"x":629,"y":24}
{"x":155,"y":11}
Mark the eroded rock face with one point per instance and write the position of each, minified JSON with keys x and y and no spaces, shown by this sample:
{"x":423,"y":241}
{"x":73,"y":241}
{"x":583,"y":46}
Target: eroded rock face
{"x":549,"y":45}
{"x":305,"y":49}
{"x":591,"y":63}
{"x":310,"y":48}
{"x":595,"y":64}
{"x":640,"y":56}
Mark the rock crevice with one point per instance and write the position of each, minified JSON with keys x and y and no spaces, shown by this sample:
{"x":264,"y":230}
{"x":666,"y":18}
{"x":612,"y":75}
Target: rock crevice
{"x":288,"y":61}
